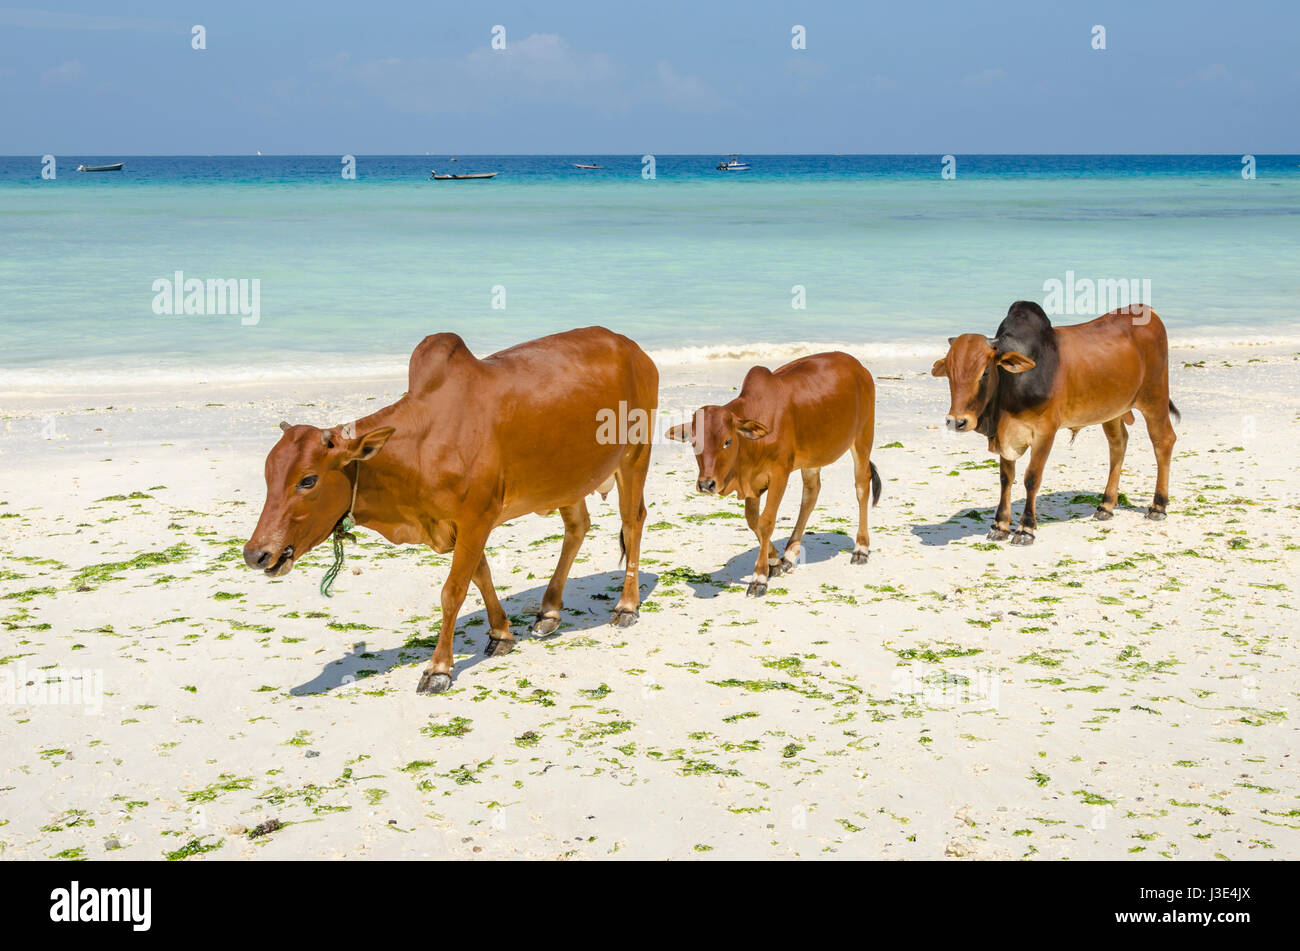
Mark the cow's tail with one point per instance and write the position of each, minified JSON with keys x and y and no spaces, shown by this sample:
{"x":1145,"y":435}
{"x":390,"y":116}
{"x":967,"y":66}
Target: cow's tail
{"x":622,"y":547}
{"x":876,"y":484}
{"x":1173,"y":411}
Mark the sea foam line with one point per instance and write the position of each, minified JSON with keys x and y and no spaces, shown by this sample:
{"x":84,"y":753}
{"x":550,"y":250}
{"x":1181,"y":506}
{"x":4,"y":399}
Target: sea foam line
{"x":72,"y":375}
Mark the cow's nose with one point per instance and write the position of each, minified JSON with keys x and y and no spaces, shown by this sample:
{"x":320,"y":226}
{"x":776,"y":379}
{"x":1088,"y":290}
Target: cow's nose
{"x":957,"y":424}
{"x":256,"y":557}
{"x":706,"y":485}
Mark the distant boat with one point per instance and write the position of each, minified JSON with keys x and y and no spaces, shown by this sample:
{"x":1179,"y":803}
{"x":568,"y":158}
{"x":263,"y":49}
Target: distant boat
{"x":116,"y":167}
{"x":735,"y":165}
{"x":587,"y":166}
{"x":433,"y":174}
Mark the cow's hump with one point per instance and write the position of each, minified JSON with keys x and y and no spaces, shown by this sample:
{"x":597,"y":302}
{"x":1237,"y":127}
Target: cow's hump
{"x":1027,"y":330}
{"x":435,"y":359}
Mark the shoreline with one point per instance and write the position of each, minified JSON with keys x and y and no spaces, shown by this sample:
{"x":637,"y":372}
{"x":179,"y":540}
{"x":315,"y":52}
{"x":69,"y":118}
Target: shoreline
{"x":49,"y":382}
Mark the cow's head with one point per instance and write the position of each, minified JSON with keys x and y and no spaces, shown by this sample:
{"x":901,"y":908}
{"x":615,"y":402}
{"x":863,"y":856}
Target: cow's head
{"x":715,"y":432}
{"x":972,"y":378}
{"x":308,"y":489}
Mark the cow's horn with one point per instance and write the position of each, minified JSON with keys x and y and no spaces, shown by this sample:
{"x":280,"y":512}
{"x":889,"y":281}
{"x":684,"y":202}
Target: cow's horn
{"x":992,"y":342}
{"x":325,"y":439}
{"x":284,"y":427}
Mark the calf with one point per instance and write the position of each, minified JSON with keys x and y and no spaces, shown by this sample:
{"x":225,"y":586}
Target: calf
{"x":1019,"y":388}
{"x":803,"y":416}
{"x":471,"y":444}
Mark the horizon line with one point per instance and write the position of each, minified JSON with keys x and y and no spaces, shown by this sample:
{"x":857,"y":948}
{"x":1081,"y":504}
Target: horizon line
{"x":26,"y":155}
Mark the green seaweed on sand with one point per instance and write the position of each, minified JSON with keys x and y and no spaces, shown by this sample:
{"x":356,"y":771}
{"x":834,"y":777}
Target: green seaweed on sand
{"x":86,"y":578}
{"x":226,"y":782}
{"x":192,"y":847}
{"x":459,"y":726}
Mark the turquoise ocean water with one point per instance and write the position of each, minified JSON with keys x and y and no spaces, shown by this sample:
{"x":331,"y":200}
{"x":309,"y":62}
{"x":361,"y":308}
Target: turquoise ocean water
{"x":694,"y":263}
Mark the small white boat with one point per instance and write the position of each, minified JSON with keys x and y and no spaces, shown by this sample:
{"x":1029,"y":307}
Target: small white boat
{"x":575,"y":165}
{"x":115,"y":167}
{"x":433,"y":174}
{"x":735,"y":165}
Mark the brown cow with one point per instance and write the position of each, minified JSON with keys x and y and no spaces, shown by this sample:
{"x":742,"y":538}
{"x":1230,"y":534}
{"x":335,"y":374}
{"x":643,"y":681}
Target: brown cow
{"x":803,"y":416}
{"x":472,"y":444}
{"x":1022,"y":386}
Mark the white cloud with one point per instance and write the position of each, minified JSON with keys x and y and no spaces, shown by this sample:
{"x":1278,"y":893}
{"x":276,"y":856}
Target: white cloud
{"x":68,"y":72}
{"x":680,"y":91}
{"x":50,"y":20}
{"x":986,"y":77}
{"x":1217,"y":75}
{"x":541,"y":68}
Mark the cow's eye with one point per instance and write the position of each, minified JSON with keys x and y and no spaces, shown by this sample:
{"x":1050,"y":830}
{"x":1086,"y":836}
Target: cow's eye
{"x":307,"y":482}
{"x":726,"y":444}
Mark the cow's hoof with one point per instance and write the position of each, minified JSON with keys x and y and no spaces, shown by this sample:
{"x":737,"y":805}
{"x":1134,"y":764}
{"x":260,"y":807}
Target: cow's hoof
{"x":787,"y":565}
{"x":1022,"y":538}
{"x":499,"y":646}
{"x":1156,"y":515}
{"x":859,"y":558}
{"x":624,"y":618}
{"x":546,"y":624}
{"x":756,"y":589}
{"x":433,"y":683}
{"x":1102,"y":515}
{"x":997,"y":534}
{"x":775,"y":569}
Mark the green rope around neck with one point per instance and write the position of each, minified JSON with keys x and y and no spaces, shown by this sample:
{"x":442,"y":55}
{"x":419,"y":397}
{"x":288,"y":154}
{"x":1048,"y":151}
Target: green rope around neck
{"x":343,"y":530}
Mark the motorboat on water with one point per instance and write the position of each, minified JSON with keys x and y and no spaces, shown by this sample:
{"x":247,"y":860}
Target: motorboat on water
{"x":734,"y":165}
{"x":433,"y":174}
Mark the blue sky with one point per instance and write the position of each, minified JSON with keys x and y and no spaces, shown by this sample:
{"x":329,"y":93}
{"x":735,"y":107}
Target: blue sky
{"x":588,"y":77}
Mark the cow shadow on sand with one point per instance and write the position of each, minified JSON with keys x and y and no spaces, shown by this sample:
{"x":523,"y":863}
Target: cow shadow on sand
{"x":588,"y":605}
{"x":817,"y":547}
{"x":1052,"y":507}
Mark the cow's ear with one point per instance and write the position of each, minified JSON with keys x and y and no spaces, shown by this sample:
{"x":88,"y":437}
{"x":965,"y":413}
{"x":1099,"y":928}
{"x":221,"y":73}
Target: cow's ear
{"x":751,"y":429}
{"x":1015,"y":362}
{"x":940,"y":367}
{"x":679,"y":433}
{"x":365,"y":447}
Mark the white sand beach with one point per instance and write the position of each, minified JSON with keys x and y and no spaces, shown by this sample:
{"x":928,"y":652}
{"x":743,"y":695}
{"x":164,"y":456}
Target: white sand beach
{"x":1119,"y":689}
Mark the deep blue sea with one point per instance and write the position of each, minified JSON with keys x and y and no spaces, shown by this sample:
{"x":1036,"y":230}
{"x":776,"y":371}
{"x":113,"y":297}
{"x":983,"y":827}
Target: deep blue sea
{"x":348,"y":275}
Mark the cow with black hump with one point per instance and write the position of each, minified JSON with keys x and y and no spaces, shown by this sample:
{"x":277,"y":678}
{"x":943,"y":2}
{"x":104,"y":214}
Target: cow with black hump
{"x":1020,"y":387}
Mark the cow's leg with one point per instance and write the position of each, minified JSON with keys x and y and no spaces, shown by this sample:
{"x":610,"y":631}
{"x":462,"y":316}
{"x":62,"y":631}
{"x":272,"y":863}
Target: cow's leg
{"x":1033,"y":481}
{"x":766,"y":523}
{"x":862,"y":485}
{"x":1002,"y":518}
{"x":1117,"y":436}
{"x":500,"y":640}
{"x":465,"y":561}
{"x":1161,"y":430}
{"x":631,"y":477}
{"x":576,"y":523}
{"x":812,"y":485}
